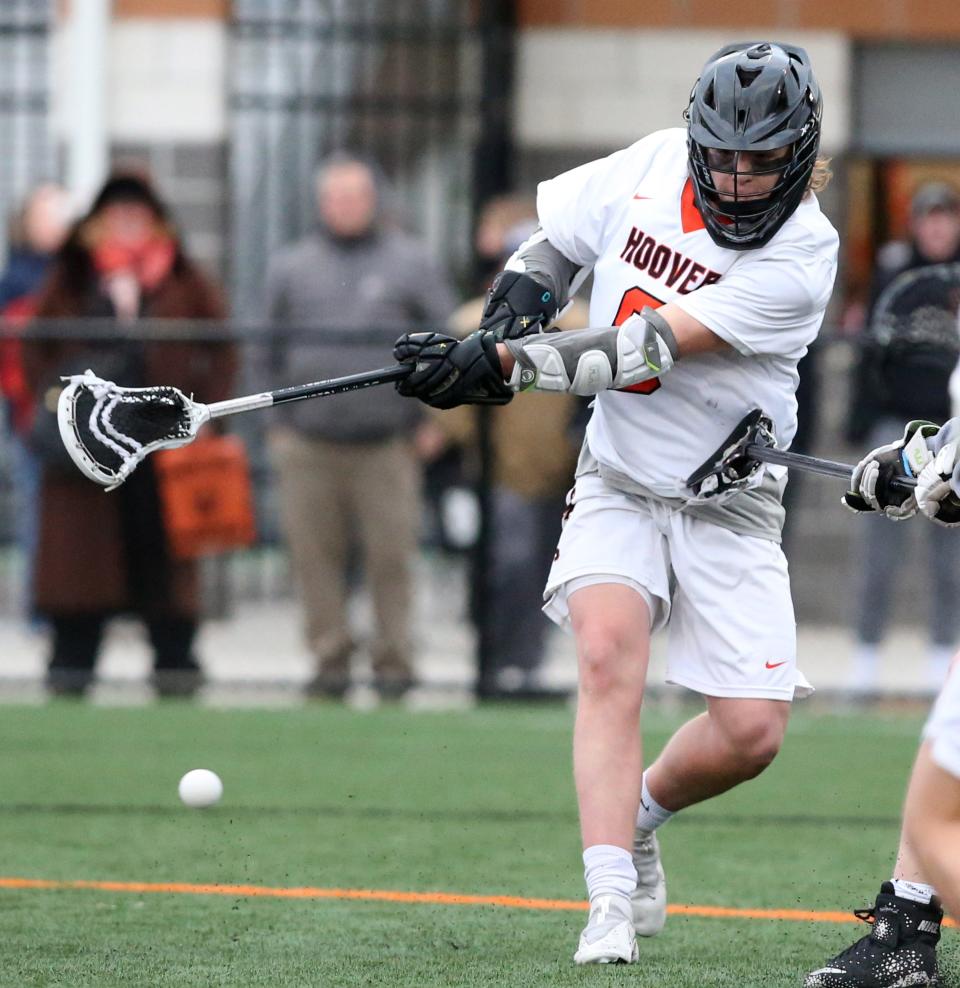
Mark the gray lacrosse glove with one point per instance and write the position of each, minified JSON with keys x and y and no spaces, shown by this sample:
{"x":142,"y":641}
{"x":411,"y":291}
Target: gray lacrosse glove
{"x":938,"y":486}
{"x":871,"y":487}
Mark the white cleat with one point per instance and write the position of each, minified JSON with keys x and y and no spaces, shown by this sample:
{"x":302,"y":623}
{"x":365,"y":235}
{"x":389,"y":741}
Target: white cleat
{"x":649,"y":898}
{"x":608,"y":936}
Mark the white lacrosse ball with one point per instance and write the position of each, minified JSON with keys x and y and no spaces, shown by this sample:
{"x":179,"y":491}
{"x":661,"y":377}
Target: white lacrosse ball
{"x":200,"y":787}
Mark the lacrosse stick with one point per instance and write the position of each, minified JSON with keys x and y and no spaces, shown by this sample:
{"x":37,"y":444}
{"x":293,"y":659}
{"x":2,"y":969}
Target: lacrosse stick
{"x":108,"y":429}
{"x":751,"y":443}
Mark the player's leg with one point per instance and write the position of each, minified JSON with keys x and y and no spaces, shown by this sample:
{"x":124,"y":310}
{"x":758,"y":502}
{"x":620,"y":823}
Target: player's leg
{"x":932,"y":812}
{"x":612,"y":628}
{"x":902,"y":950}
{"x":609,"y":577}
{"x":732,"y":639}
{"x":734,"y":741}
{"x":611,"y":623}
{"x":878,"y":959}
{"x":932,"y":823}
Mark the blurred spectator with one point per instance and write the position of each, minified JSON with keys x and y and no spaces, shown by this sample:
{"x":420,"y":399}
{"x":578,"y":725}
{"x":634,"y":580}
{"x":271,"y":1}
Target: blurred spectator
{"x":102,"y":554}
{"x":450,"y":519}
{"x":36,"y":234}
{"x":907,"y":354}
{"x":346,"y":466}
{"x":534,"y":440}
{"x":498,"y":220}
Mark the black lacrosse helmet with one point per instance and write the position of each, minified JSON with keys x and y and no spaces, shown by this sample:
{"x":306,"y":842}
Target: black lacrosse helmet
{"x":752,"y":97}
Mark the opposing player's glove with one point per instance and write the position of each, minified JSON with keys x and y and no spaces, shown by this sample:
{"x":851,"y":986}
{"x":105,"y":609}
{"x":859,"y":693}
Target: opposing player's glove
{"x":449,"y":372}
{"x":938,"y":486}
{"x":517,"y":305}
{"x":870,"y":485}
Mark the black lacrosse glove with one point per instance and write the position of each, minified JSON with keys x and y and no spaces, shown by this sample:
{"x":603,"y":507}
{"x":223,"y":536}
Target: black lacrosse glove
{"x":517,"y":305}
{"x":449,"y":372}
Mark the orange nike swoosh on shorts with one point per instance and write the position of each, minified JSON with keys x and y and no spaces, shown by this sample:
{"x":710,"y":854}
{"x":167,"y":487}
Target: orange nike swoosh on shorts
{"x":774,"y":665}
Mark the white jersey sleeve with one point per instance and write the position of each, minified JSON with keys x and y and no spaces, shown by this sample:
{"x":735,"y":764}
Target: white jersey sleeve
{"x":770,"y":300}
{"x":576,"y":208}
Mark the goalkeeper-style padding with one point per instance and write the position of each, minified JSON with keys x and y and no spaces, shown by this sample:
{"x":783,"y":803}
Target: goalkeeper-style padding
{"x":588,"y":361}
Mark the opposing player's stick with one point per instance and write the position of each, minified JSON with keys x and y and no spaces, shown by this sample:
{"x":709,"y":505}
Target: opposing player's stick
{"x":753,"y":442}
{"x":108,"y":429}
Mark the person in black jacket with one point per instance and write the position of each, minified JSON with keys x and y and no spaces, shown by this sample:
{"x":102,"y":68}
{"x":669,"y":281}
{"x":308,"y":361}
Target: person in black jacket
{"x":908,"y":352}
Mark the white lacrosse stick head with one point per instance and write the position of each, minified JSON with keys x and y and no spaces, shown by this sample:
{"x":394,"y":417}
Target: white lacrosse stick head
{"x":108,"y":429}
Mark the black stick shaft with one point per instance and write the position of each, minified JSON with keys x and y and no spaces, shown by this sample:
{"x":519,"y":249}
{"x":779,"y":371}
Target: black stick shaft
{"x":318,"y":389}
{"x":813,"y":464}
{"x":338,"y":385}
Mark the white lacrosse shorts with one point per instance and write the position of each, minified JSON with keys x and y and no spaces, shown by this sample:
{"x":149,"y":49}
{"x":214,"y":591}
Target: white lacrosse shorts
{"x":724,"y":597}
{"x":942,"y":730}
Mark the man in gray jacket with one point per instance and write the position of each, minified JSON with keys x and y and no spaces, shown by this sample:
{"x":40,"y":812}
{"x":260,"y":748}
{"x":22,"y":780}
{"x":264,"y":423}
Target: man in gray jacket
{"x":346,"y":465}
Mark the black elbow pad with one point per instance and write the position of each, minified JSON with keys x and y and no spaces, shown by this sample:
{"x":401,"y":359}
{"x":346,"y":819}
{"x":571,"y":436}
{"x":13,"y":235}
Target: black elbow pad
{"x":517,"y":306}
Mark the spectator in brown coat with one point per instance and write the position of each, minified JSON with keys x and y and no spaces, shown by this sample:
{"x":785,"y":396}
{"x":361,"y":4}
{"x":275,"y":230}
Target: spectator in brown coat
{"x":104,"y":554}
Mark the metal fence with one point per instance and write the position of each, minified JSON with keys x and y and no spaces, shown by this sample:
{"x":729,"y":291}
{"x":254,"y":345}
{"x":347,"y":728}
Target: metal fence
{"x":27,"y":159}
{"x":404,"y":82}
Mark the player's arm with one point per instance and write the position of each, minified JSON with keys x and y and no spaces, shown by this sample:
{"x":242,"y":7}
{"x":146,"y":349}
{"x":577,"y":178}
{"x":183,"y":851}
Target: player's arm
{"x":586,"y":362}
{"x":524,"y":299}
{"x":479,"y":370}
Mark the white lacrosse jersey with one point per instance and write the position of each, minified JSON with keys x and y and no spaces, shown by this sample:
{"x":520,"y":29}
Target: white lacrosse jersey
{"x":632,"y":218}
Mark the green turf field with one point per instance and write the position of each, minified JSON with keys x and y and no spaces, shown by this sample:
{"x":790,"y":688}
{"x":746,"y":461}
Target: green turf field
{"x":476,"y":802}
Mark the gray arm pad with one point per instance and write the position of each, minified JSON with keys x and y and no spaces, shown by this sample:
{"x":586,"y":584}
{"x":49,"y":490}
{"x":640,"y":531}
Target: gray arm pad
{"x":538,"y":258}
{"x":588,"y":361}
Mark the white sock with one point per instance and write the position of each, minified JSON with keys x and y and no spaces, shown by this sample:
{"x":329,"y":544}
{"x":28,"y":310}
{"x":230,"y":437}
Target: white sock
{"x":651,"y":814}
{"x":608,"y":870}
{"x":915,"y":891}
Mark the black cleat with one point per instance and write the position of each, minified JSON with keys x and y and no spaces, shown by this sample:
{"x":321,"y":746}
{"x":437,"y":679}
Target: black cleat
{"x":899,"y":952}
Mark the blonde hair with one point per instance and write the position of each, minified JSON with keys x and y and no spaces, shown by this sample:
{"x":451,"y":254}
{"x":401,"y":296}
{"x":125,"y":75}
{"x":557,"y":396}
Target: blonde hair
{"x":820,"y":176}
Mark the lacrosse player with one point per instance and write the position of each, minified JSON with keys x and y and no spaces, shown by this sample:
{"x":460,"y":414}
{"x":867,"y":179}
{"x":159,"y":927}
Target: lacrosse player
{"x":901,"y":947}
{"x":710,"y":253}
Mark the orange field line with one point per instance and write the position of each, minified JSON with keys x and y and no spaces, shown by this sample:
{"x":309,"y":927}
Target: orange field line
{"x":431,"y":898}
